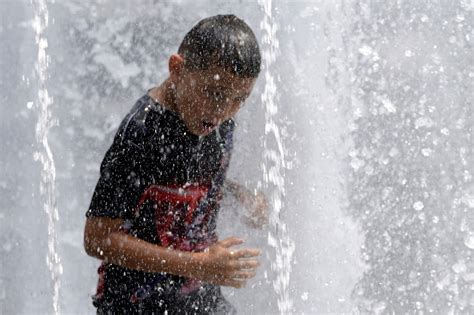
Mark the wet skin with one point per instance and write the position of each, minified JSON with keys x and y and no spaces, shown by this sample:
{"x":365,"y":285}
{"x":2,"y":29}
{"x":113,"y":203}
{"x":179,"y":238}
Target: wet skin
{"x":203,"y":98}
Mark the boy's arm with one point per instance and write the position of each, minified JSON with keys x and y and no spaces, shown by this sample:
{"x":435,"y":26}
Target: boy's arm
{"x":220,"y":265}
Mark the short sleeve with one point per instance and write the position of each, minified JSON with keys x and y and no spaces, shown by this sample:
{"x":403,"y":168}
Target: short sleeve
{"x":120,"y":184}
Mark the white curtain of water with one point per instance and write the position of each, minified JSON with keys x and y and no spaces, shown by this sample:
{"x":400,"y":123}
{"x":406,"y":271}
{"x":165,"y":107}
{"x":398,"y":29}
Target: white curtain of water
{"x":44,"y":153}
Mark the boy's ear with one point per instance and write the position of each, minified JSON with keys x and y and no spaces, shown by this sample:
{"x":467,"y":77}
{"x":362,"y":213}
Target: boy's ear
{"x":175,"y":65}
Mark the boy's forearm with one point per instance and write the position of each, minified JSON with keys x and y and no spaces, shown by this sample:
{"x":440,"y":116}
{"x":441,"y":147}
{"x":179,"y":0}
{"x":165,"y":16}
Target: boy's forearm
{"x":133,"y":253}
{"x":220,"y":265}
{"x":127,"y":251}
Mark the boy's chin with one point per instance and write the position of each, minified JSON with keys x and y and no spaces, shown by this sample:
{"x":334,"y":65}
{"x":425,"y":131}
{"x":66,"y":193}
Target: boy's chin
{"x":204,"y":133}
{"x":201,"y":130}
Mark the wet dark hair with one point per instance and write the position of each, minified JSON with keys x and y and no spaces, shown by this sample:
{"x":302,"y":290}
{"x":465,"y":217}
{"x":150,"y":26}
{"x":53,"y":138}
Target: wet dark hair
{"x":225,"y":41}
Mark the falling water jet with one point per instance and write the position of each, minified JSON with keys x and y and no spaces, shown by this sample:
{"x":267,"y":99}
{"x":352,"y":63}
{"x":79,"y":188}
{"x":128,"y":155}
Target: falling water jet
{"x":273,"y":166}
{"x":44,"y":154}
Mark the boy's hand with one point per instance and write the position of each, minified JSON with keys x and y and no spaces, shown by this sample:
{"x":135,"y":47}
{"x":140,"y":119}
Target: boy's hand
{"x":256,"y":204}
{"x":257,"y":209}
{"x":221,"y":265}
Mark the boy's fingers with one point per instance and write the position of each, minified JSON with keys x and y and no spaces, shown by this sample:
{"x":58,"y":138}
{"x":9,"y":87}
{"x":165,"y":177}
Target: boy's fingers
{"x":246,"y":253}
{"x":234,"y":283}
{"x":231,"y":241}
{"x":247,"y":264}
{"x":244,"y":274}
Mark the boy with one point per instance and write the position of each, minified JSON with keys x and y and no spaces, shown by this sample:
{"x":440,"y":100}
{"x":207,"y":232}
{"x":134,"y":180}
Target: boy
{"x":153,"y":213}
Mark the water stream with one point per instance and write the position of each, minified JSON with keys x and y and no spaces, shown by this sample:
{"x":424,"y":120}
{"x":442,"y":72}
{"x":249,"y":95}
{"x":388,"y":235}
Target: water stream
{"x":274,"y":165}
{"x":44,"y":153}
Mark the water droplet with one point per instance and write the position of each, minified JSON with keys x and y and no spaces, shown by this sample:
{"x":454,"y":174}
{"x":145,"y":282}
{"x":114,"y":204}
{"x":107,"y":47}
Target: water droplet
{"x":445,"y":131}
{"x":36,"y":156}
{"x":436,"y":58}
{"x":379,"y":307}
{"x":468,"y":200}
{"x":459,"y":267}
{"x":459,"y":18}
{"x":418,"y":206}
{"x":393,"y":152}
{"x":423,"y":122}
{"x":369,"y":170}
{"x":357,"y":163}
{"x":353,"y":153}
{"x":468,"y":277}
{"x":7,"y":247}
{"x":29,"y":105}
{"x":304,"y":296}
{"x":426,"y":151}
{"x":419,"y":305}
{"x":469,"y":241}
{"x":388,"y":105}
{"x":366,"y":50}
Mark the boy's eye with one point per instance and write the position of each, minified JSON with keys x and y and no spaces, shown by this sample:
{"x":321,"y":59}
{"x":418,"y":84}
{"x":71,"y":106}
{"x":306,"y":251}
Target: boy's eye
{"x":215,"y":95}
{"x":218,"y":96}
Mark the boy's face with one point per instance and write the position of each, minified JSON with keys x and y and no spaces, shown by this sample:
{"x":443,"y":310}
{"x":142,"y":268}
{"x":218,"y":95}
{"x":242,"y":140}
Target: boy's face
{"x":206,"y":98}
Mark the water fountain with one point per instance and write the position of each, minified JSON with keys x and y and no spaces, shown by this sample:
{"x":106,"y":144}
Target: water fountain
{"x":359,"y":132}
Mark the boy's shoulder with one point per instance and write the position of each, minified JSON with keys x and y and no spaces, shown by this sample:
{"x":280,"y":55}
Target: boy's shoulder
{"x":146,"y":118}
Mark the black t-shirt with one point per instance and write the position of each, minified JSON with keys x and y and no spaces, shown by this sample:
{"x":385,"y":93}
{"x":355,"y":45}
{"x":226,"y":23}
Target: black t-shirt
{"x":166,"y":184}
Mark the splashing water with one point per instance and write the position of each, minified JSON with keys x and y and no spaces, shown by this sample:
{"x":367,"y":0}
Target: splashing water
{"x":398,"y":76}
{"x":44,"y":154}
{"x":413,"y":148}
{"x":273,"y":166}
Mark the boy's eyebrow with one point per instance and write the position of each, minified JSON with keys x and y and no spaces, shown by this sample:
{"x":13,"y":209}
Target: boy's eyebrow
{"x":222,"y":87}
{"x":227,"y":89}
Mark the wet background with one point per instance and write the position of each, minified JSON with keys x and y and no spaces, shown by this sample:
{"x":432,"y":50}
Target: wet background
{"x":376,"y":120}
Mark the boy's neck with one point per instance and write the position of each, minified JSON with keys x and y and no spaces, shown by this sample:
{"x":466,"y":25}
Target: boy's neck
{"x":164,"y":95}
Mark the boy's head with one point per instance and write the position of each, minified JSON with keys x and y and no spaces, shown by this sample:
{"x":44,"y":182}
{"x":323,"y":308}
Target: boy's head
{"x":214,"y":71}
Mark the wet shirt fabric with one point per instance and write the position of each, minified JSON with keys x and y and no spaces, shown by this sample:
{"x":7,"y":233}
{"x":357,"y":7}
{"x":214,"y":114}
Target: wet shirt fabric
{"x":166,"y":184}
